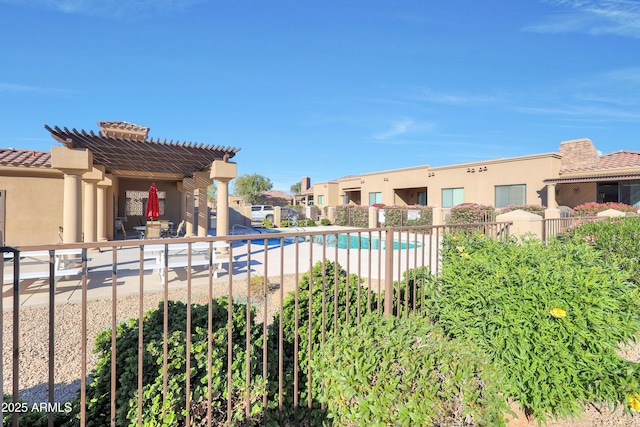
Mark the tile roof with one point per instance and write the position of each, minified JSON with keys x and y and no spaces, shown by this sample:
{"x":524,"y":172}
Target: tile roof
{"x":28,"y":158}
{"x":619,"y":159}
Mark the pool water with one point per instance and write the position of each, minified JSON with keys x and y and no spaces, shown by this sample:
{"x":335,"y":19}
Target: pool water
{"x":353,"y":241}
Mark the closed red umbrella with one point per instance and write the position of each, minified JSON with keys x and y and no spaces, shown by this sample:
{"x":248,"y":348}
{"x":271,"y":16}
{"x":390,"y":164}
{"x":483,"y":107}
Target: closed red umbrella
{"x":153,"y":204}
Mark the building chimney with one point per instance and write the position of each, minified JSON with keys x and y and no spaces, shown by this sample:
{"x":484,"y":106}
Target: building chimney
{"x":578,"y":154}
{"x":306,"y":184}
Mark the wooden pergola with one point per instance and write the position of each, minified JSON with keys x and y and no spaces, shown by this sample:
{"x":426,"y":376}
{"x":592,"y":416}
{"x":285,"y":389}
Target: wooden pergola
{"x":124,"y":150}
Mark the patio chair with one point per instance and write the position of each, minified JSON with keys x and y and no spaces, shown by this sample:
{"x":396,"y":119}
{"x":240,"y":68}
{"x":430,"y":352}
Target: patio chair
{"x":180,"y":230}
{"x":126,"y":235}
{"x":164,"y":228}
{"x":152,"y":230}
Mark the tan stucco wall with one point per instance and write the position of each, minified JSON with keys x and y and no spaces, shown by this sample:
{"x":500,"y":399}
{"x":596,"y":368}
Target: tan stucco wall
{"x":400,"y":186}
{"x":33,"y":208}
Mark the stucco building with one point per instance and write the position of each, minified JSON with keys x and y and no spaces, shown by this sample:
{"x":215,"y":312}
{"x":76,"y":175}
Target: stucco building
{"x":577,"y":173}
{"x":83,"y":189}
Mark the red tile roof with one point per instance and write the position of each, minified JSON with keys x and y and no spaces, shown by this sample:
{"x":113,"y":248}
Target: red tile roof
{"x":28,"y":158}
{"x":619,"y":159}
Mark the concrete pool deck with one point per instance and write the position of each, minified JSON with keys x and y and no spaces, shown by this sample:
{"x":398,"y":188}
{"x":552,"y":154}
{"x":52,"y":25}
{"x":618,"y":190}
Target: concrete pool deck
{"x":244,"y":258}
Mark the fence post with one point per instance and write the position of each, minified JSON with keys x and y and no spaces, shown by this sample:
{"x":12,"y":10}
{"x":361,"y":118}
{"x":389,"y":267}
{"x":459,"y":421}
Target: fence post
{"x":388,"y":272}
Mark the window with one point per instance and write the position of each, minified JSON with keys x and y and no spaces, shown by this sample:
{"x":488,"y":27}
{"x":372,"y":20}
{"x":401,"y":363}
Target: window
{"x":321,"y":200}
{"x":135,"y":202}
{"x":452,"y":197}
{"x":511,"y":195}
{"x":375,"y":198}
{"x":422,"y":198}
{"x":346,"y":199}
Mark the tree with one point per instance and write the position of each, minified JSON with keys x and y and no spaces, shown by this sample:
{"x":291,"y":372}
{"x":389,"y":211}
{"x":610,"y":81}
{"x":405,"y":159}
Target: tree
{"x":212,"y":192}
{"x":296,"y":188}
{"x":251,"y":187}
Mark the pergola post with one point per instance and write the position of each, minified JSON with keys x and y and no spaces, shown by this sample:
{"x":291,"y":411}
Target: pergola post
{"x":224,"y":172}
{"x":202,"y":182}
{"x":72,"y":163}
{"x":104,"y":209}
{"x":90,"y":212}
{"x":189,"y":185}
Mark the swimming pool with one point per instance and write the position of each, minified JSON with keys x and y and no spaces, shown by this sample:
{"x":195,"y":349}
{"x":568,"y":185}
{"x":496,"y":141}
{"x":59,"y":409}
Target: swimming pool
{"x":353,"y":241}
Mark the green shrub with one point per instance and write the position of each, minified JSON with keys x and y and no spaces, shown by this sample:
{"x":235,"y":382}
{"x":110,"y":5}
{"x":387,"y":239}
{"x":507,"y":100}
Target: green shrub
{"x":386,"y":372}
{"x":311,"y":223}
{"x":615,"y":239}
{"x":398,"y":216}
{"x":535,"y":209}
{"x":352,"y":215}
{"x":469,"y":213}
{"x":329,"y":284}
{"x":325,"y":221}
{"x":154,"y":409}
{"x":592,"y":208}
{"x":266,"y":223}
{"x":551,"y":317}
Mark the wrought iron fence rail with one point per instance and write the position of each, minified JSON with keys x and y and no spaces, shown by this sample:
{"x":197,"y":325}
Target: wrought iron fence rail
{"x":378,"y":257}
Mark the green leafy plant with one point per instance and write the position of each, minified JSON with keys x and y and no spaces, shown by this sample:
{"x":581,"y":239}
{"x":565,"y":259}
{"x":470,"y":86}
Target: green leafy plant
{"x":171,"y":411}
{"x":266,"y":223}
{"x":614,"y":238}
{"x":469,"y":213}
{"x":592,"y":208}
{"x":352,"y":215}
{"x":551,"y":317}
{"x":398,"y":216}
{"x":325,"y":221}
{"x":345,"y":301}
{"x":386,"y":371}
{"x":535,"y":209}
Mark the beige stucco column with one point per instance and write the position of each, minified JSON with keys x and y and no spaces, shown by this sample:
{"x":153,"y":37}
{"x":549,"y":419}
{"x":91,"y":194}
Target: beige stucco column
{"x":183,"y":200}
{"x":90,"y":210}
{"x":189,"y":185}
{"x":72,"y":163}
{"x":552,"y":210}
{"x":202,"y":181}
{"x":223,"y":172}
{"x":104,"y":212}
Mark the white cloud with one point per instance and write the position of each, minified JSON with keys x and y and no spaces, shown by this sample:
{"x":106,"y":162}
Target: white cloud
{"x":428,"y":95}
{"x":595,"y":17}
{"x":398,"y":128}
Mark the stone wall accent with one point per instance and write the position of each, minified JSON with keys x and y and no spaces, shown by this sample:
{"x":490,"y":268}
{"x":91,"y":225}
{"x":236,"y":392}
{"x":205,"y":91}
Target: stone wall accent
{"x":578,"y":154}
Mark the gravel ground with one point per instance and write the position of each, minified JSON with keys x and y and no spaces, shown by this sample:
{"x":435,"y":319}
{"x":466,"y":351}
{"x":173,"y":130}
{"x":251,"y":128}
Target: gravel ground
{"x":33,"y":352}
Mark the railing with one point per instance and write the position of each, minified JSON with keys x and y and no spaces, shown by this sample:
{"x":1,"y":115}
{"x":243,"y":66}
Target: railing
{"x":551,"y":227}
{"x":119,"y":271}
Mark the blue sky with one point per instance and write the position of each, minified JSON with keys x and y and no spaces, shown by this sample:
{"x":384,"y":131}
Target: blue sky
{"x":327,"y":88}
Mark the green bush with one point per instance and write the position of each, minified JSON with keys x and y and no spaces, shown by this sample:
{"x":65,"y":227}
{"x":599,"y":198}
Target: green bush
{"x":386,"y":372}
{"x":469,"y":213}
{"x":311,"y":223}
{"x":616,"y":240}
{"x":535,"y":209}
{"x":329,"y":284}
{"x":592,"y":208}
{"x":352,"y":215}
{"x":266,"y":223}
{"x":551,"y":317}
{"x":325,"y":221}
{"x":172,"y":410}
{"x":398,"y":216}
